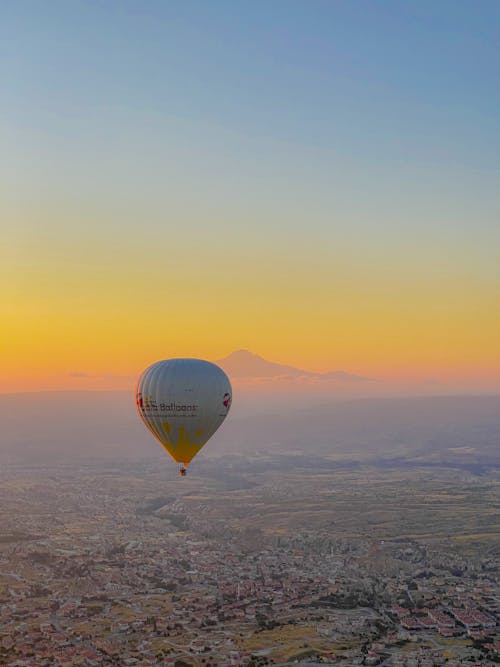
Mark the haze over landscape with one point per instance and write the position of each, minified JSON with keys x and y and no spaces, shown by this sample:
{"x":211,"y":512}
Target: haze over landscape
{"x":305,"y":194}
{"x":276,"y":409}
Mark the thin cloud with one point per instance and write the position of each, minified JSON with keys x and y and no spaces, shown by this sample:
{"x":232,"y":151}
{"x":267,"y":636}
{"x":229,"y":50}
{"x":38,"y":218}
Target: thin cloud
{"x":101,"y":376}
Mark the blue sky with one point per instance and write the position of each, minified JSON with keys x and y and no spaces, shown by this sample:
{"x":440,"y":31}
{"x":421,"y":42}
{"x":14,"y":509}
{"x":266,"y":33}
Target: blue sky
{"x":266,"y":67}
{"x":365,"y":86}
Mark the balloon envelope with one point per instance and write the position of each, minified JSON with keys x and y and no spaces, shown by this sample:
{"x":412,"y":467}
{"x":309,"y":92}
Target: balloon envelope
{"x":183,"y":402}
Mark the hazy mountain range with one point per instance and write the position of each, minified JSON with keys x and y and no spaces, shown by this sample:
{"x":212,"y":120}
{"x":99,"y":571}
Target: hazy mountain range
{"x":245,"y":364}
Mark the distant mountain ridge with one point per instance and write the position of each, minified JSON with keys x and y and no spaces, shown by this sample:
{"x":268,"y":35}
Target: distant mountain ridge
{"x":245,"y":364}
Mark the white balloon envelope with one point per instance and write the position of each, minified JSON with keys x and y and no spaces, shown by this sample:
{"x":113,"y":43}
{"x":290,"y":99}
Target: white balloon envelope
{"x":183,"y":402}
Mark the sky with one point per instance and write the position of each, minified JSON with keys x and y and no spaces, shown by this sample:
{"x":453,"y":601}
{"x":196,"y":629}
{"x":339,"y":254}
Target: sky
{"x":317,"y":182}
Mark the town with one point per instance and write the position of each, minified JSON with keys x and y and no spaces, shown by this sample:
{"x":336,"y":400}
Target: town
{"x":97,"y":568}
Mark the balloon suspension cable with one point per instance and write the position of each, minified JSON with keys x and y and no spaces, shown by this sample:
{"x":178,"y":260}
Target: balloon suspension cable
{"x":182,"y":470}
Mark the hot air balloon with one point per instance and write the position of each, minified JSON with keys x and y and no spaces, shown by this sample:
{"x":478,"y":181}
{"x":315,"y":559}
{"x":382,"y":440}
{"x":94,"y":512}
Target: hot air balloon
{"x":183,"y":402}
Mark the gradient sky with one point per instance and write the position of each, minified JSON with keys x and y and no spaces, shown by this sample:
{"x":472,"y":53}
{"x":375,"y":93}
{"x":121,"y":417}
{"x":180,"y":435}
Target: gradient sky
{"x":315,"y":181}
